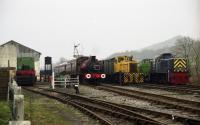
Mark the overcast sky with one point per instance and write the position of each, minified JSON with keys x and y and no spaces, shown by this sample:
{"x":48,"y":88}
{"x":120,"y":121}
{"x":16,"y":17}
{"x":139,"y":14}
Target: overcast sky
{"x":102,"y":27}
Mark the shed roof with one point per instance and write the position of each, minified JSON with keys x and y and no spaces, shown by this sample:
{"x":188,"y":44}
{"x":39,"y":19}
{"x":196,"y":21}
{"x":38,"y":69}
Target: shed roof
{"x":14,"y":42}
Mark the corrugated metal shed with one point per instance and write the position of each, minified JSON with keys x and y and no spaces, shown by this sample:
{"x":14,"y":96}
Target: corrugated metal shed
{"x":11,"y":50}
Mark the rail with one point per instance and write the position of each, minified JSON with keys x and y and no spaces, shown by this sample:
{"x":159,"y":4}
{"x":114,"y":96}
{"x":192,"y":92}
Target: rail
{"x":108,"y":112}
{"x":16,"y":100}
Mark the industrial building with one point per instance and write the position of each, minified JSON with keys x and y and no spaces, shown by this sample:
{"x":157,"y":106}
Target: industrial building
{"x":10,"y":51}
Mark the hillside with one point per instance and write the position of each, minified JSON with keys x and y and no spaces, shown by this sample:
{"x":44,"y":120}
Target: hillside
{"x":165,"y":44}
{"x":151,"y":51}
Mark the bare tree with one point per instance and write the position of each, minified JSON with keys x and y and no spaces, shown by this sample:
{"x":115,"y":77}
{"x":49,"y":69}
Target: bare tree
{"x":184,"y":46}
{"x":183,"y":49}
{"x":62,"y":60}
{"x":196,"y":58}
{"x":190,"y":49}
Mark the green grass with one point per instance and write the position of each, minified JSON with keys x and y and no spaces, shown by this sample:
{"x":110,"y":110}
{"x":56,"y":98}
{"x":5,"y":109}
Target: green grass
{"x":5,"y":113}
{"x":43,"y":111}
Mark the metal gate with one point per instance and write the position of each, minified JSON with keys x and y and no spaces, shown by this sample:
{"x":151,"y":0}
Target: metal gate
{"x":65,"y":81}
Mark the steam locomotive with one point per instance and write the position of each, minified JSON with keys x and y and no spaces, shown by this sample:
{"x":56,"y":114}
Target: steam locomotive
{"x":89,"y":69}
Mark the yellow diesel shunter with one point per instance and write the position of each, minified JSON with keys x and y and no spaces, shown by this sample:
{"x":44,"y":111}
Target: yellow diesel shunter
{"x":125,"y":64}
{"x":123,"y":70}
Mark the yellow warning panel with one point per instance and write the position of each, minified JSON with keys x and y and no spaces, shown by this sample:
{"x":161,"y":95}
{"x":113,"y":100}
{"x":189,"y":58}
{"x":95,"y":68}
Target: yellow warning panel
{"x":180,"y":64}
{"x":133,"y":78}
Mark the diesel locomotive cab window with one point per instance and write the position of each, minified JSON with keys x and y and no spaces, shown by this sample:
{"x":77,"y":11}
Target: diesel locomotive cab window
{"x":96,"y":67}
{"x":120,"y":59}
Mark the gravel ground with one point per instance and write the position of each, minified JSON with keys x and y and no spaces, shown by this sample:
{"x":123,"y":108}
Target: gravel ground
{"x":166,"y":93}
{"x":113,"y":97}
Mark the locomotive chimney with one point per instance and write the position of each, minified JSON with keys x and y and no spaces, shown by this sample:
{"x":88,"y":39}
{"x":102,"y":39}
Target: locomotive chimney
{"x":93,"y":58}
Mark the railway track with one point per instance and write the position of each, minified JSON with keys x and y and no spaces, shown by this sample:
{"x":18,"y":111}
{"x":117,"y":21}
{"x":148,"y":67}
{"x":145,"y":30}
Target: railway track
{"x":162,"y":117}
{"x":183,"y":89}
{"x":107,"y":113}
{"x":186,"y":107}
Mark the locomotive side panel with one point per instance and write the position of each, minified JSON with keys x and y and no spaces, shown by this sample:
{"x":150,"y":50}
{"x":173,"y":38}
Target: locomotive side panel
{"x":73,"y":66}
{"x":108,"y":66}
{"x":146,"y":67}
{"x":79,"y":64}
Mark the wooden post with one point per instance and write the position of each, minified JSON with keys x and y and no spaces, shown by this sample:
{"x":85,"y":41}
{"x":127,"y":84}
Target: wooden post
{"x":52,"y":81}
{"x":65,"y":82}
{"x":8,"y":63}
{"x":19,"y":123}
{"x":78,"y":79}
{"x":17,"y":90}
{"x":17,"y":104}
{"x":19,"y":107}
{"x":8,"y":92}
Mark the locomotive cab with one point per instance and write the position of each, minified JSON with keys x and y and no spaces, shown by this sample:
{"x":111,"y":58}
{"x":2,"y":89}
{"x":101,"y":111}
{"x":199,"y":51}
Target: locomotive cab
{"x":163,"y":63}
{"x":91,"y":65}
{"x":125,"y":64}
